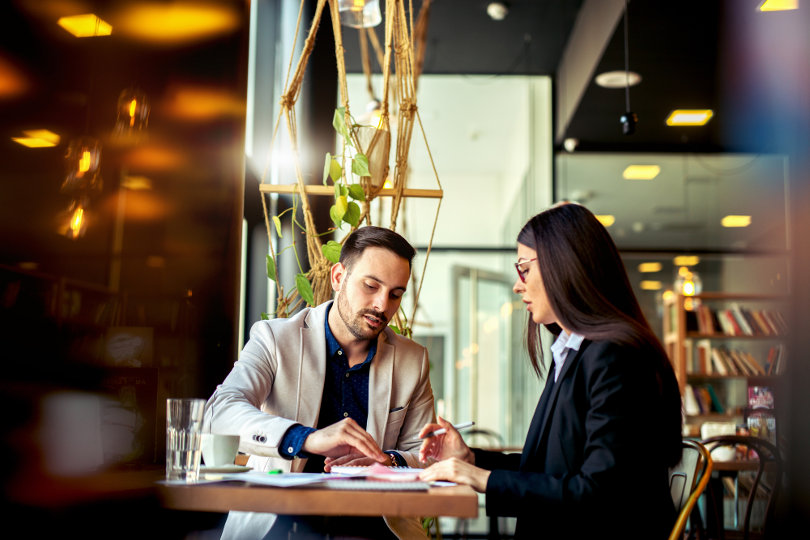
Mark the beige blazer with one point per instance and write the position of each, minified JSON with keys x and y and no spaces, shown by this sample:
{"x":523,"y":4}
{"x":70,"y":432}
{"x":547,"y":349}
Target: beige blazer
{"x":278,"y":381}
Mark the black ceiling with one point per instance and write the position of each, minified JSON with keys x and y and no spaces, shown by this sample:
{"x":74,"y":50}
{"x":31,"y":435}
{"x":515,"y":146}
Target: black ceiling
{"x":677,"y":47}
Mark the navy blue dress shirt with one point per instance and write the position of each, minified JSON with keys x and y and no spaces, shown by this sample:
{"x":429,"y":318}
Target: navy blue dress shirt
{"x":345,"y":395}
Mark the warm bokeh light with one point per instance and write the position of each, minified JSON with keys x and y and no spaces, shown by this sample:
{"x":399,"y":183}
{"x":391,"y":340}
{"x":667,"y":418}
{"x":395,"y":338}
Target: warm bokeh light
{"x":85,"y":25}
{"x":649,"y":285}
{"x":200,"y":103}
{"x":12,"y":81}
{"x":38,"y":138}
{"x":689,"y":117}
{"x":136,"y":183}
{"x":649,"y":267}
{"x":154,"y":158}
{"x":641,"y":172}
{"x":175,"y":22}
{"x":686,"y":260}
{"x":736,"y":221}
{"x":606,"y":219}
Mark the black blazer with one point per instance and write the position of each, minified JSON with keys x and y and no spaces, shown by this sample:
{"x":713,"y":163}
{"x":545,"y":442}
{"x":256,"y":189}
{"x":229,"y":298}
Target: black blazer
{"x":595,"y":465}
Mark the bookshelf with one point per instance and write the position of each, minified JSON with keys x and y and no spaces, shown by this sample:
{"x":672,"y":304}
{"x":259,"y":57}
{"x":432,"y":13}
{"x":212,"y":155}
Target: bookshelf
{"x":722,"y":346}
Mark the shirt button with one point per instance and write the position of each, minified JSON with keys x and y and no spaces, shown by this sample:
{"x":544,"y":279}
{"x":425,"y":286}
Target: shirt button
{"x":348,"y":374}
{"x":289,"y":449}
{"x":340,"y":353}
{"x":345,"y":415}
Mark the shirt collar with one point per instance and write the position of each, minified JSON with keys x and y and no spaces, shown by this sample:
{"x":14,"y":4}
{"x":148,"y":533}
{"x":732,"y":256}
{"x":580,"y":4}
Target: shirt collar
{"x":560,"y":348}
{"x":332,"y":345}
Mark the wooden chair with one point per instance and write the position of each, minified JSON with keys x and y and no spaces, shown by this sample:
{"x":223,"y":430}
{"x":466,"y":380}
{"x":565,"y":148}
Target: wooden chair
{"x":763,"y":455}
{"x":687,"y":480}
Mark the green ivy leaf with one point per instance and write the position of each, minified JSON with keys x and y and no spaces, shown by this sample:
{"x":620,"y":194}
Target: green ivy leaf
{"x":395,"y":328}
{"x":336,"y":218}
{"x":339,"y":123}
{"x":331,"y":250}
{"x":265,"y":316}
{"x":360,"y":165}
{"x":352,"y":215}
{"x":356,"y":192}
{"x":335,"y":170}
{"x":271,"y":268}
{"x":327,"y":167}
{"x":277,"y":223}
{"x":304,"y":289}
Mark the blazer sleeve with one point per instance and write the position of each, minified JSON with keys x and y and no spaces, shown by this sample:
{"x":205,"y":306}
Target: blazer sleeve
{"x":487,"y":459}
{"x":590,"y":456}
{"x":236,"y":405}
{"x":420,"y":411}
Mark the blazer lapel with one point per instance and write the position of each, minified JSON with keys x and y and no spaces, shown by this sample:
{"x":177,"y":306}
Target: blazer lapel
{"x":380,"y":381}
{"x":538,"y":431}
{"x":311,"y":367}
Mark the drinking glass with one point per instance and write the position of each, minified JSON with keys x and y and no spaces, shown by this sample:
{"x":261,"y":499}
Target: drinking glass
{"x":184,"y":418}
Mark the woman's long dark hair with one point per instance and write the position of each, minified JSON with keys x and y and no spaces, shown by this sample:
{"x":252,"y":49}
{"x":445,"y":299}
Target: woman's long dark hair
{"x":588,"y":290}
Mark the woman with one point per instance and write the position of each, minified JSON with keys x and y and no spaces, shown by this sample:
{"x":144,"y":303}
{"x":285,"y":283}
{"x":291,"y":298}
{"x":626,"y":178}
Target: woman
{"x":608,"y":425}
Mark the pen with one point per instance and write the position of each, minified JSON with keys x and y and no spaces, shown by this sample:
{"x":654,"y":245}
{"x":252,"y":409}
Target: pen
{"x":442,"y":431}
{"x":274,"y":471}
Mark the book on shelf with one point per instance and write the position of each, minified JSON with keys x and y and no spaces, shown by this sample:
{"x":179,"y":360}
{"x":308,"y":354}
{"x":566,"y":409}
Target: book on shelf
{"x":690,"y":404}
{"x":703,"y":349}
{"x":717,"y":406}
{"x":775,"y":362}
{"x":742,"y":322}
{"x":760,"y":397}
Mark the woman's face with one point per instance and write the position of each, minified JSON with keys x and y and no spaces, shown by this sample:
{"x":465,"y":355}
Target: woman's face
{"x":532,"y":292}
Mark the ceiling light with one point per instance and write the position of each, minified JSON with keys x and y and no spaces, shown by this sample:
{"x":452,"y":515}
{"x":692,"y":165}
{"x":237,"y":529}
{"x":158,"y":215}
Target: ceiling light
{"x":497,"y":10}
{"x":648,"y":285}
{"x":649,"y":267}
{"x":618,"y":79}
{"x":570,"y":144}
{"x":641,"y":172}
{"x":778,"y":5}
{"x":606,"y":219}
{"x":38,"y":138}
{"x":736,"y":221}
{"x":686,"y":260}
{"x":689,"y":117}
{"x":87,"y":25}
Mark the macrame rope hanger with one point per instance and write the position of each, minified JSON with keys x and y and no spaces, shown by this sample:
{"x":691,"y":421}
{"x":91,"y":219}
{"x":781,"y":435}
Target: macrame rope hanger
{"x":407,"y":64}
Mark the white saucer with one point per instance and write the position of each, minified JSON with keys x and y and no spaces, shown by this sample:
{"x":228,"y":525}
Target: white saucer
{"x":224,"y":469}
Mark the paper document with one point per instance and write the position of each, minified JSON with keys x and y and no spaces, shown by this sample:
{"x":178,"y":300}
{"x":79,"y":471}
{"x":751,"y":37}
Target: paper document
{"x":381,"y":472}
{"x":280,"y":480}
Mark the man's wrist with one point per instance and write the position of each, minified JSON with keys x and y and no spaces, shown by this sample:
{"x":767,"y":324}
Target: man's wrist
{"x":395,"y":459}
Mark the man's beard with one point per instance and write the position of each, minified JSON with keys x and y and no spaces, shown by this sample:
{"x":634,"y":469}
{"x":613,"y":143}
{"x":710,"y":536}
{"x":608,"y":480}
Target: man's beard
{"x":357,"y":325}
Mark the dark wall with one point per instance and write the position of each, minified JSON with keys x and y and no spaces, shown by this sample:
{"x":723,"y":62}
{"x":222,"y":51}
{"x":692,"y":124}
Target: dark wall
{"x":144,"y":304}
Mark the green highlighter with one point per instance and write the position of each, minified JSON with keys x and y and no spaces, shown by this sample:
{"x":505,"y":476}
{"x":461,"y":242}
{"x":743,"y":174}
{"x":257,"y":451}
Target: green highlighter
{"x":275,"y":471}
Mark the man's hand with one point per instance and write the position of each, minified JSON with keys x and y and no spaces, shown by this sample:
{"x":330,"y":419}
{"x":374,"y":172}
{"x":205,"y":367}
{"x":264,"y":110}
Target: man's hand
{"x":351,"y":460}
{"x":341,"y":439}
{"x":456,"y":470}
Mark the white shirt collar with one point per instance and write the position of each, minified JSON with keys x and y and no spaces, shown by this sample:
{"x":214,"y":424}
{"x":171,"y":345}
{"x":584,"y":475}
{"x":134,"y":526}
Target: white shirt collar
{"x":560,"y":348}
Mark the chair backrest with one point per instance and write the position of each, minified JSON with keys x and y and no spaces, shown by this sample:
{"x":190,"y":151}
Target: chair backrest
{"x":767,"y":456}
{"x":687,"y":480}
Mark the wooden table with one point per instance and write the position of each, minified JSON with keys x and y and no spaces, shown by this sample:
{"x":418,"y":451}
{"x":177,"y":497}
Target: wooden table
{"x":453,"y":501}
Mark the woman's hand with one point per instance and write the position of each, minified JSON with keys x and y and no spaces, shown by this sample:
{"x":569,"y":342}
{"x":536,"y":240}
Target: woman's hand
{"x":456,"y":470}
{"x":445,"y":446}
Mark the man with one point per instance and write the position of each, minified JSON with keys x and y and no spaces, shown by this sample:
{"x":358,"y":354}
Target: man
{"x":331,"y":385}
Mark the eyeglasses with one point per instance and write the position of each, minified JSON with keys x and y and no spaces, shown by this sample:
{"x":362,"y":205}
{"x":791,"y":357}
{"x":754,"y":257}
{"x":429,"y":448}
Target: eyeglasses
{"x":522,"y":273}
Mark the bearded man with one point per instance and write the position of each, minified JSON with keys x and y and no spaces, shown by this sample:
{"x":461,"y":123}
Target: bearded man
{"x":331,"y":385}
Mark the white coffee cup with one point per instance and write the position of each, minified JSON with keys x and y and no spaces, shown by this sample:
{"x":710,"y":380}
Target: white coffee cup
{"x":218,"y":449}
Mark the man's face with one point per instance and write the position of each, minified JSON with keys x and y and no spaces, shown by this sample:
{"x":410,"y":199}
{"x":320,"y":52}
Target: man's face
{"x":369,"y":293}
